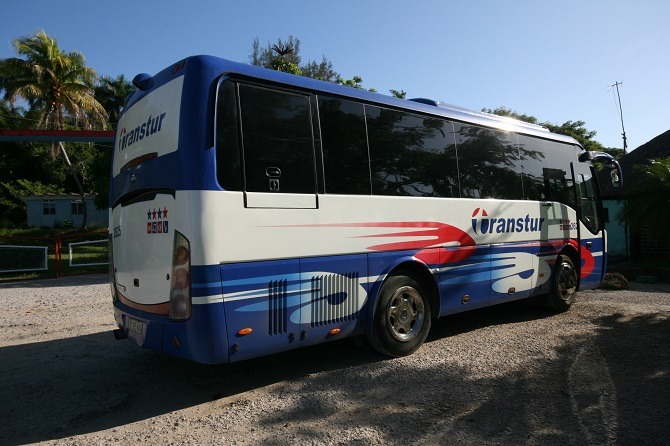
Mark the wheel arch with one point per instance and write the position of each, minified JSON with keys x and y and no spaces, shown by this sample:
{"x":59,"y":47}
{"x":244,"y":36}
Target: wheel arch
{"x":422,"y":274}
{"x":571,"y":251}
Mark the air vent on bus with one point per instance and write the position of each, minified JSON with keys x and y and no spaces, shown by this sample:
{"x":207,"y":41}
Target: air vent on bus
{"x":425,"y":101}
{"x":335,"y":298}
{"x":143,"y":81}
{"x":278,"y":302}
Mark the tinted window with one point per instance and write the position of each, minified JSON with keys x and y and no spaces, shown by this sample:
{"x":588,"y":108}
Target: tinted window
{"x":488,"y":163}
{"x":411,"y":154}
{"x":345,"y":148}
{"x":588,"y":197}
{"x":228,"y":155}
{"x":546,"y":173}
{"x":277,"y":141}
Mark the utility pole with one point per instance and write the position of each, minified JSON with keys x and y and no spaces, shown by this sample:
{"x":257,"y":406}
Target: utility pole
{"x":623,"y":134}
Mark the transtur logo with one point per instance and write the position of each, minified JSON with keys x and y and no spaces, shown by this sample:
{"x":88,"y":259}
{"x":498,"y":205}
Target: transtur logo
{"x":504,"y":225}
{"x":153,"y":125}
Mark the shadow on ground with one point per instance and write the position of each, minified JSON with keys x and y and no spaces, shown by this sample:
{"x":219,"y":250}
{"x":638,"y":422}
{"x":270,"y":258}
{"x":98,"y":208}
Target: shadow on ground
{"x":611,"y":388}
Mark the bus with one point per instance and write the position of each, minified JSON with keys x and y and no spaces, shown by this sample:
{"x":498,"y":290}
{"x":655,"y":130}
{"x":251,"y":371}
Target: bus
{"x":254,"y":212}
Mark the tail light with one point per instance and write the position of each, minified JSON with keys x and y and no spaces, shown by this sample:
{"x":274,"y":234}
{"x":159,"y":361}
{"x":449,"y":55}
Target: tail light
{"x":180,"y":289}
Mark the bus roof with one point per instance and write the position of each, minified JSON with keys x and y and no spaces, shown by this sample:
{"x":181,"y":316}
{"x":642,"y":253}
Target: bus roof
{"x":216,"y":67}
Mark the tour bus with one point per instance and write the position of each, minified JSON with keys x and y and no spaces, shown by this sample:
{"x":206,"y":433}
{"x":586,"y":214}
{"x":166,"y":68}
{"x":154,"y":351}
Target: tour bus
{"x":254,"y":211}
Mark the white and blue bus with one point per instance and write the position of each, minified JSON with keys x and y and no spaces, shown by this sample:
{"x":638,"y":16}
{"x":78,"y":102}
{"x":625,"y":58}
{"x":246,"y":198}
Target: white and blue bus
{"x":253,"y":211}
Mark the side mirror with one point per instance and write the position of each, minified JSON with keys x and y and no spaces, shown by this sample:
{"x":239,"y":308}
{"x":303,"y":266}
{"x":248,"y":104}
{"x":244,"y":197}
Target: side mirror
{"x":612,"y":164}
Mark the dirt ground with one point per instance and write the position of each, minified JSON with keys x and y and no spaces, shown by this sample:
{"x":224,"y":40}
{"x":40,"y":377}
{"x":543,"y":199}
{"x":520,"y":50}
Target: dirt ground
{"x":512,"y":374}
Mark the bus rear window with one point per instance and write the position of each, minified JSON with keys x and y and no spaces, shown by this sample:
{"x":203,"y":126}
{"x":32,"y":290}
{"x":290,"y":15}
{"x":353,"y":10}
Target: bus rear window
{"x":276,"y":151}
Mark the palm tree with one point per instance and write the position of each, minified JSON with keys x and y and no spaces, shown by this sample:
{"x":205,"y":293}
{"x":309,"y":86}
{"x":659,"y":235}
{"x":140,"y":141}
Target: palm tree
{"x":112,"y":94}
{"x":58,"y":88}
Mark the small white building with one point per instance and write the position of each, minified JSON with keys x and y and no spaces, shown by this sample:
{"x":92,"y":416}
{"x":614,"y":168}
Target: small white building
{"x":61,"y":210}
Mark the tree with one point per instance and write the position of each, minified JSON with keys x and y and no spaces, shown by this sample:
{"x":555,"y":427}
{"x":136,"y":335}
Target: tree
{"x":284,"y":56}
{"x":12,"y":193}
{"x":58,"y":88}
{"x":354,"y":82}
{"x":575,"y":129}
{"x":648,"y":202}
{"x":322,"y":71}
{"x":503,"y":111}
{"x":112,"y":94}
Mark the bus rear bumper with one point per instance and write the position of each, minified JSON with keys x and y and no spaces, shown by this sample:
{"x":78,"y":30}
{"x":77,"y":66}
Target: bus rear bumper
{"x":200,"y":339}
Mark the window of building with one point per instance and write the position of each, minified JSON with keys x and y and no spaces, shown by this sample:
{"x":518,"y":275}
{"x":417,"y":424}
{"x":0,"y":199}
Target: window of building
{"x":77,"y":207}
{"x":49,"y":207}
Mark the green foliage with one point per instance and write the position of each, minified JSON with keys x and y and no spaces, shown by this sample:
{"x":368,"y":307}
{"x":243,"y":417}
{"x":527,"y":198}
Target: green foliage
{"x":56,"y":84}
{"x":400,"y":94}
{"x":284,"y":65}
{"x":263,"y":57}
{"x":575,"y":129}
{"x":99,"y":170}
{"x":12,"y":194}
{"x":354,"y":82}
{"x":112,"y":94}
{"x":58,"y":88}
{"x":503,"y":111}
{"x":322,"y":71}
{"x":649,"y":201}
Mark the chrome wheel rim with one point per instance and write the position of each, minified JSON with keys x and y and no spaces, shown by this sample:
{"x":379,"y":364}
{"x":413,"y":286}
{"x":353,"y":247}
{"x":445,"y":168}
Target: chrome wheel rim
{"x":405,"y":314}
{"x":566,"y":282}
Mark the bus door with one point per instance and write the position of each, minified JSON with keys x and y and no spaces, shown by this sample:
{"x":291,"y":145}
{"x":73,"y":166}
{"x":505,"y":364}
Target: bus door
{"x":591,"y":227}
{"x":557,"y":204}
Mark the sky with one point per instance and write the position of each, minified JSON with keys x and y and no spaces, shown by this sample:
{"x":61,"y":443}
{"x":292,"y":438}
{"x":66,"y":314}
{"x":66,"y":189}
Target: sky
{"x":552,"y":60}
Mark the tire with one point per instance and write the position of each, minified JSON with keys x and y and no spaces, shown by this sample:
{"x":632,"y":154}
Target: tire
{"x":402,"y":317}
{"x":563,"y":284}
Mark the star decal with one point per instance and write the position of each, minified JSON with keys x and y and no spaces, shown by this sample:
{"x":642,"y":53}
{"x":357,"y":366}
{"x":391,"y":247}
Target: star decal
{"x":165,"y":212}
{"x":149,"y":215}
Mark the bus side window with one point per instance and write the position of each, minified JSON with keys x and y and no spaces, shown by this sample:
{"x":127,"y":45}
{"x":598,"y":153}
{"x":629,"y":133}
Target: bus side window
{"x":277,"y":141}
{"x":487,"y":163}
{"x":228,"y":156}
{"x":345,"y":148}
{"x":588,"y":197}
{"x":411,"y":154}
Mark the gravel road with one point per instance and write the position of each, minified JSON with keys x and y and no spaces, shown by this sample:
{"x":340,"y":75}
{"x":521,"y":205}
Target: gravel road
{"x":596,"y":375}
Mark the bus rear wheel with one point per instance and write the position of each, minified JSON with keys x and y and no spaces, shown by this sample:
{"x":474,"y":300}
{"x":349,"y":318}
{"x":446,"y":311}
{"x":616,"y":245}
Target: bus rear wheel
{"x":563,"y":285}
{"x":402,"y":317}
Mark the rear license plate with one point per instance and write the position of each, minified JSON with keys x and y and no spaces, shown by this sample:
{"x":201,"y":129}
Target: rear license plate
{"x":135,"y":326}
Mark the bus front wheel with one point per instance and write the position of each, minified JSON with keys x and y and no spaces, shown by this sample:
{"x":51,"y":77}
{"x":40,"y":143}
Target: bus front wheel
{"x":402,"y":317}
{"x":563,"y":285}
